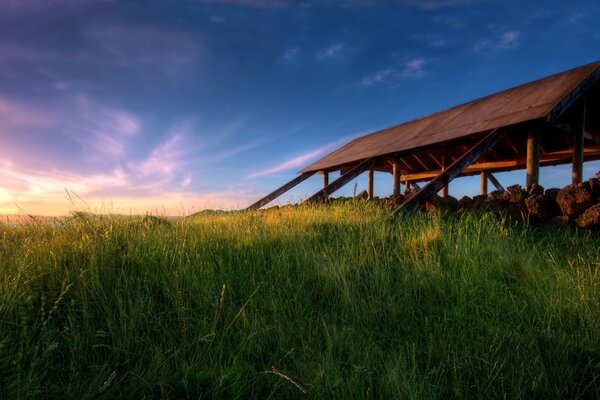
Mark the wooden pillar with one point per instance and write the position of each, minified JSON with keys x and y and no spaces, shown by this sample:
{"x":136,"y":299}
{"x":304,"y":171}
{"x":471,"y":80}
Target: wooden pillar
{"x":406,"y":186}
{"x":578,"y":136}
{"x":325,"y":181}
{"x":484,"y":182}
{"x":396,"y":176}
{"x":445,"y":188}
{"x":370,"y":188}
{"x":533,"y":158}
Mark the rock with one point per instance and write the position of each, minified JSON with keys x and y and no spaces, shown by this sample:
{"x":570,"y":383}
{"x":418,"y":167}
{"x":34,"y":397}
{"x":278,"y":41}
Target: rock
{"x":541,"y":207}
{"x":436,"y":203}
{"x":535,"y":189}
{"x":517,"y":194}
{"x":517,"y":211}
{"x":561,"y":221}
{"x":594,"y":184}
{"x":364,"y":195}
{"x":478,"y":201}
{"x":590,"y":217}
{"x":394,"y":200}
{"x":552,"y":192}
{"x":574,"y":199}
{"x":452,"y":203}
{"x":464,"y":203}
{"x":499,"y":195}
{"x":598,"y":174}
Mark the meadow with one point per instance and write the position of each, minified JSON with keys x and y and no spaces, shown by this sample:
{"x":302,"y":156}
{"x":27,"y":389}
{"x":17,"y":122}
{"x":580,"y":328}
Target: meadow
{"x":336,"y":301}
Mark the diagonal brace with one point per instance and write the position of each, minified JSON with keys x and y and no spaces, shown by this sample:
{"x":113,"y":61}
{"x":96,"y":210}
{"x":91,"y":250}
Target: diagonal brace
{"x":418,"y":200}
{"x":322,"y":194}
{"x":278,"y":192}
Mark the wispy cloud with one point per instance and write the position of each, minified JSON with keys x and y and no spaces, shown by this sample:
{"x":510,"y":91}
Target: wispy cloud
{"x":291,"y":53}
{"x":303,"y":159}
{"x":509,"y":39}
{"x":505,"y":40}
{"x":377,"y":77}
{"x":330,"y":52}
{"x":414,"y":68}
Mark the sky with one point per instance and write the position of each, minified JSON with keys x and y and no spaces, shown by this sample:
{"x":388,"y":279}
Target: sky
{"x":171,"y":107}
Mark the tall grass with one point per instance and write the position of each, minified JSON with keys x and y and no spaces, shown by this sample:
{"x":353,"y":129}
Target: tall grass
{"x":326,"y":302}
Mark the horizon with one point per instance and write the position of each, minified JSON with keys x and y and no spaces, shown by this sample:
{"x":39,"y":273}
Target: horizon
{"x":116,"y":107}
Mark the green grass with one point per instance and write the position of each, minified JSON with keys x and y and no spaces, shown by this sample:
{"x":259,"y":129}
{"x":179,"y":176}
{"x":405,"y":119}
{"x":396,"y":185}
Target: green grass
{"x":330,"y":302}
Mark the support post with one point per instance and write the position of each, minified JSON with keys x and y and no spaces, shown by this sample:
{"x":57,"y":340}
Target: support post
{"x":322,"y":194}
{"x":445,"y":188}
{"x":279,"y":191}
{"x":457,"y":167}
{"x":396,"y":176}
{"x":484,"y":183}
{"x":533,"y":158}
{"x":371,"y":184}
{"x":578,"y":132}
{"x":325,"y":181}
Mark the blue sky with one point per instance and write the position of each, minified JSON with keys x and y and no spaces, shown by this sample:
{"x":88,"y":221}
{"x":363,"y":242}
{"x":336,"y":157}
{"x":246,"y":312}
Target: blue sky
{"x":176,"y":106}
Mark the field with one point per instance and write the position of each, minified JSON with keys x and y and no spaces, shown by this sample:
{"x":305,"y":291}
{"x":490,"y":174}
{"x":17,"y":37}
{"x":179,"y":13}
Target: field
{"x":325,"y":302}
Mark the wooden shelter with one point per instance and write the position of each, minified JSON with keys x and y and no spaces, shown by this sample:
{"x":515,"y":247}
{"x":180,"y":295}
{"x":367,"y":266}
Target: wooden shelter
{"x":551,"y":121}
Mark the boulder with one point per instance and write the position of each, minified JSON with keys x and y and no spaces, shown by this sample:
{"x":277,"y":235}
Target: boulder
{"x":478,"y":202}
{"x":574,"y":199}
{"x":517,"y":211}
{"x":436,"y":203}
{"x":535,"y":189}
{"x":364,"y":195}
{"x":552,"y":192}
{"x":499,"y":195}
{"x":541,"y":207}
{"x":464,"y":204}
{"x":590,"y":218}
{"x":452,"y":203}
{"x":517,"y":194}
{"x":594,"y":184}
{"x":394,"y":200}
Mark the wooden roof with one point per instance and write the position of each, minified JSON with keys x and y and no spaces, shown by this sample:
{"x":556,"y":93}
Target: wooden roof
{"x":532,"y":101}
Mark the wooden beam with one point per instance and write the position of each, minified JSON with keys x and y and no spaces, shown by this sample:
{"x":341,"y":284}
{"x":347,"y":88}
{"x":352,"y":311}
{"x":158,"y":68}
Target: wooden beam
{"x":421,"y":162}
{"x":371,"y":183}
{"x":396,"y":176}
{"x":445,"y":188}
{"x":416,"y":202}
{"x":495,"y":182}
{"x":575,"y":95}
{"x":325,"y":180}
{"x":484,"y":183}
{"x":358,"y":169}
{"x":533,"y":158}
{"x":278,"y":192}
{"x":578,"y":140}
{"x":590,"y":153}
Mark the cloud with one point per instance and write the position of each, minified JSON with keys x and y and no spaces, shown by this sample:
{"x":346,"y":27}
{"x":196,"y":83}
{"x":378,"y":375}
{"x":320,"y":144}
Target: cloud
{"x":506,"y":40}
{"x":329,"y":52}
{"x":509,"y":39}
{"x":377,"y":77}
{"x":303,"y":159}
{"x":291,"y":53}
{"x":414,"y":68}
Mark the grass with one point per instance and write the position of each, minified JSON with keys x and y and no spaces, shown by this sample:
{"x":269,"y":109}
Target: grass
{"x":329,"y":302}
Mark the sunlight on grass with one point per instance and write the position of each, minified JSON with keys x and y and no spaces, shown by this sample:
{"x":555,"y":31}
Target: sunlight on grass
{"x":332,"y":301}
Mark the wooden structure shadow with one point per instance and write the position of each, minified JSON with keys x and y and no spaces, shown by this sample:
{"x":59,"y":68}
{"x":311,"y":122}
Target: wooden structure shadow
{"x":551,"y":121}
